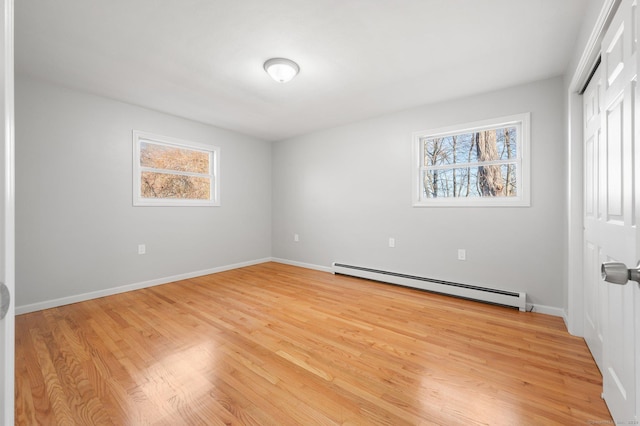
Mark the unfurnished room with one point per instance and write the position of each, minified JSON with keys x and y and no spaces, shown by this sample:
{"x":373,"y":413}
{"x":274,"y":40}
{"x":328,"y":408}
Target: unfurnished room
{"x":296,"y":212}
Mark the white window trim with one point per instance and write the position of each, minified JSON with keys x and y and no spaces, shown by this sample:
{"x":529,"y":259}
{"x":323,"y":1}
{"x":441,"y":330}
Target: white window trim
{"x":523,"y":199}
{"x":213,"y":151}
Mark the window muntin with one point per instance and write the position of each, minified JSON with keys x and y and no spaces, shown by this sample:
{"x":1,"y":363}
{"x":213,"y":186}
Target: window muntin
{"x":172,"y":172}
{"x":475,"y":164}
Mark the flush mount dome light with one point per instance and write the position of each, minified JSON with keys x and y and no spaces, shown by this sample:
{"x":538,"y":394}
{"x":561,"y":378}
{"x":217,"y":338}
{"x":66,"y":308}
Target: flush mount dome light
{"x":281,"y":69}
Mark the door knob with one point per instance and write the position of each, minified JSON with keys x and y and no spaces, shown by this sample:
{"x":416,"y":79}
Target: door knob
{"x":617,"y":273}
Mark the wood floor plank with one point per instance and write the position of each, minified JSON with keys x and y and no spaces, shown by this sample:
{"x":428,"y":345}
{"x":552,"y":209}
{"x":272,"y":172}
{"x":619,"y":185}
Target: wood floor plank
{"x":273,"y":344}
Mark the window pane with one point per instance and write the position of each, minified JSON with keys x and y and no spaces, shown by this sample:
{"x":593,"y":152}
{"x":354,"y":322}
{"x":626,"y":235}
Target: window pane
{"x":162,"y":185}
{"x":478,"y":181}
{"x":173,"y":158}
{"x":472,"y":147}
{"x":507,"y":141}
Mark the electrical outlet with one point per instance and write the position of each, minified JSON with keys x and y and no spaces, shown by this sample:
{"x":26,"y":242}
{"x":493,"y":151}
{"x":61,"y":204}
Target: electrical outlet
{"x":296,"y":238}
{"x":142,"y":249}
{"x":392,"y":242}
{"x":462,"y":254}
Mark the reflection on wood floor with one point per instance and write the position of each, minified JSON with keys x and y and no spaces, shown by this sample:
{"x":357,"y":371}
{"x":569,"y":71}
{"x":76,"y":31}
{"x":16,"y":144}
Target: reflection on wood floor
{"x":274,"y":344}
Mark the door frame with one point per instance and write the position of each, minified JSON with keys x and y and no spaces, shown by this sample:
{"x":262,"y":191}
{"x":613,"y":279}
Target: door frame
{"x":574,"y":309}
{"x":7,"y":368}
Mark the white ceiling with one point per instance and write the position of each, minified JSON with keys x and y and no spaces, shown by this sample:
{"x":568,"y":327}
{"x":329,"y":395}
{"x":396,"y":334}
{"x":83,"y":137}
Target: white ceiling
{"x":202,"y":59}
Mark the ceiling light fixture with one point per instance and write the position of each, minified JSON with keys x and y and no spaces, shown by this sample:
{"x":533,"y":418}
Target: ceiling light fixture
{"x":281,"y":69}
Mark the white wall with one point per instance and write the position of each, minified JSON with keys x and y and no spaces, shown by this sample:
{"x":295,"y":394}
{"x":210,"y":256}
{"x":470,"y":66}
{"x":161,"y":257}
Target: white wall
{"x":77,"y":231}
{"x":346,"y":190}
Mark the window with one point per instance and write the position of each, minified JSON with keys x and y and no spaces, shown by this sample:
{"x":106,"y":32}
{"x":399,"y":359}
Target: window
{"x":171,"y":172}
{"x":476,"y":164}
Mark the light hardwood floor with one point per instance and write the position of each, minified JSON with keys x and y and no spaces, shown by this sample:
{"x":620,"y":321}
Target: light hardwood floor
{"x":273,"y":344}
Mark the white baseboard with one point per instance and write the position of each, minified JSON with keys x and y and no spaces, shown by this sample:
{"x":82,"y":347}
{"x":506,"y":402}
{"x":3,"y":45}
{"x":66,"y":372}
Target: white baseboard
{"x":548,"y":310}
{"x":565,"y":317}
{"x":302,"y":265}
{"x":24,"y":309}
{"x":540,"y":309}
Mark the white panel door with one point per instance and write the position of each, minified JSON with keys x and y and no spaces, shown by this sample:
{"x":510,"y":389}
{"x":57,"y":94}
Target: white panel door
{"x":615,"y":235}
{"x":7,"y":251}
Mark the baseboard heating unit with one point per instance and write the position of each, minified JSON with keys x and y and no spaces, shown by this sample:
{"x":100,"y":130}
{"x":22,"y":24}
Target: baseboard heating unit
{"x":483,"y":294}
